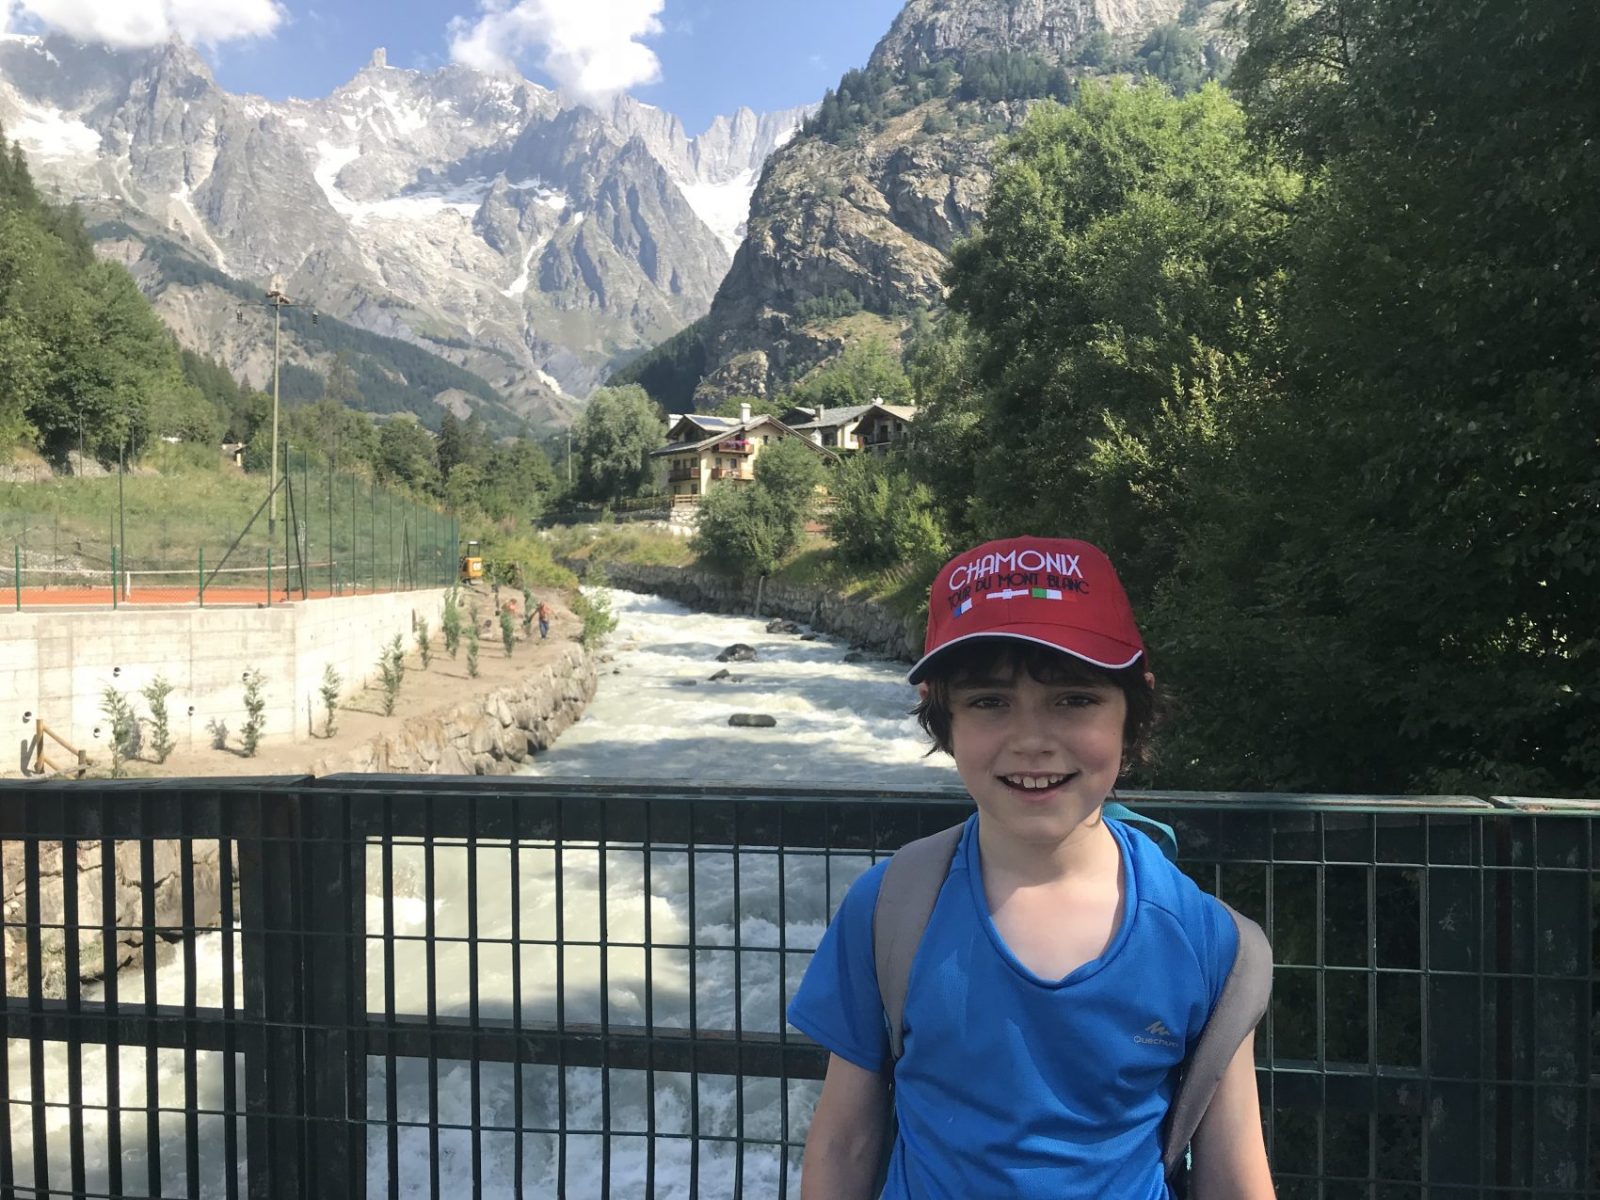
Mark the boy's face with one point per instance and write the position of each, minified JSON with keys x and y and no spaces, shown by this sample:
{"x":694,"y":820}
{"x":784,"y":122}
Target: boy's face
{"x":1038,"y":758}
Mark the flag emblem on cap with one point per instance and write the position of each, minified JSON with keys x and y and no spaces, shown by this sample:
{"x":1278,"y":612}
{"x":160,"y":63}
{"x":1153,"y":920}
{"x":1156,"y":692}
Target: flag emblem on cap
{"x":1046,"y":594}
{"x":964,"y":606}
{"x":1008,"y":594}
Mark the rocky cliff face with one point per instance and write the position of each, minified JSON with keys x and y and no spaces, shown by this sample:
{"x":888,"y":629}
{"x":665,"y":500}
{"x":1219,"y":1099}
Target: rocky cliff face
{"x":522,"y":236}
{"x":872,"y":211}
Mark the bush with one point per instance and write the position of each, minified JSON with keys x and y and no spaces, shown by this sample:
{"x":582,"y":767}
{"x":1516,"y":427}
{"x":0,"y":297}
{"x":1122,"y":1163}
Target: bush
{"x":881,"y":516}
{"x":472,"y":647}
{"x":450,"y":622}
{"x":508,"y":631}
{"x":255,"y":704}
{"x":392,"y":671}
{"x":332,"y":681}
{"x":161,"y":744}
{"x":119,"y":716}
{"x":424,"y":642}
{"x":594,"y":611}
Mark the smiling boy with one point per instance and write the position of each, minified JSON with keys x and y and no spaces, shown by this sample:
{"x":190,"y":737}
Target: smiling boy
{"x":1067,"y":968}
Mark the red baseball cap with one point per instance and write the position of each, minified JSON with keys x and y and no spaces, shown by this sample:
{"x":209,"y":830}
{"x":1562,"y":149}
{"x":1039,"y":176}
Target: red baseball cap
{"x":1055,"y":592}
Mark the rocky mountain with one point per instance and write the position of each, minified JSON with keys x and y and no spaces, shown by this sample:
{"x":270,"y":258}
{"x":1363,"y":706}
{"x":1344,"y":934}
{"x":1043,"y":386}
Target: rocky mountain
{"x":532,"y":241}
{"x":853,"y":220}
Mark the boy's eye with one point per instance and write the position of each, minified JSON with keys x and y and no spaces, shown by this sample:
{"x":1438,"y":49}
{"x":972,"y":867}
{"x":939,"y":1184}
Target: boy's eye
{"x":1079,"y":699}
{"x":985,"y":700}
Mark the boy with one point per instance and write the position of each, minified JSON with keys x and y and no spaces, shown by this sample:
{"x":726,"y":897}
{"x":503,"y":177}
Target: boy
{"x":1067,"y":966}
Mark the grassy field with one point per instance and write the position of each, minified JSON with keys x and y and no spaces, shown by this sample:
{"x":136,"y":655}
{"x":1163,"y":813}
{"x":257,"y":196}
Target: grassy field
{"x":173,"y":514}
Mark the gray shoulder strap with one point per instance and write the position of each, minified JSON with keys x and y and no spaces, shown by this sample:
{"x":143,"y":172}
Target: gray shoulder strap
{"x":906,"y":896}
{"x":1238,"y":1011}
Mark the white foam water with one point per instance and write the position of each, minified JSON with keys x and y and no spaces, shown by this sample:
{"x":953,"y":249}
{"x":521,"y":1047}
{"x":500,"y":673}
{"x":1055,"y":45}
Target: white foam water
{"x":630,"y":951}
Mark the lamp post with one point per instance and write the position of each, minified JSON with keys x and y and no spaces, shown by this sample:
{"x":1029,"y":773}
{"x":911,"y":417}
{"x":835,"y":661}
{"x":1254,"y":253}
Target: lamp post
{"x":276,"y":298}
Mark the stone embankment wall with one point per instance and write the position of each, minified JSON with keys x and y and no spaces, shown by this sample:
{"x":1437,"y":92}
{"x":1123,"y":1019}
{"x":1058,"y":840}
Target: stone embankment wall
{"x":493,"y":734}
{"x":490,"y":735}
{"x":860,"y":623}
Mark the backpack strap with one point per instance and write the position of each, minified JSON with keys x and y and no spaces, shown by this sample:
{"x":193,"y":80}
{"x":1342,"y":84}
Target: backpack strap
{"x":906,"y":896}
{"x":1238,"y":1010}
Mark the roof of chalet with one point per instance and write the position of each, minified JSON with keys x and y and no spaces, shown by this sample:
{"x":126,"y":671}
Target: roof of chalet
{"x":723,"y":427}
{"x":906,"y":412}
{"x":832,"y":418}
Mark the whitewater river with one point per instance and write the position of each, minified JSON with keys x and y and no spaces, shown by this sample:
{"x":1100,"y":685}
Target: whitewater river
{"x":657,"y":716}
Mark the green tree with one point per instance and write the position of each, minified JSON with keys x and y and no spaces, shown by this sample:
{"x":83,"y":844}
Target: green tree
{"x":405,"y":454}
{"x":618,"y":430}
{"x":865,"y":371}
{"x":1121,"y":233}
{"x":749,"y":530}
{"x":882,"y":516}
{"x":1439,"y":337}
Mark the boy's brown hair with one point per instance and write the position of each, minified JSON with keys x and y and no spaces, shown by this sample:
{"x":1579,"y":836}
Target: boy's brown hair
{"x":990,"y":657}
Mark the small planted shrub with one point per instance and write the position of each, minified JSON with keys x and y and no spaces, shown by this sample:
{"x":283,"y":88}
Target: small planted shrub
{"x":332,"y":681}
{"x":392,"y":670}
{"x":218,"y":729}
{"x":119,"y":717}
{"x":450,"y":622}
{"x":255,"y":707}
{"x":508,"y":631}
{"x":424,"y":642}
{"x":595,"y":613}
{"x":155,"y":695}
{"x":472,"y":649}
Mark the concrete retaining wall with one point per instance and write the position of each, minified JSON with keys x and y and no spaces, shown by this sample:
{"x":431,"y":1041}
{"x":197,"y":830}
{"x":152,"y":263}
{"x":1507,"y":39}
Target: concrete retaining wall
{"x":57,"y":665}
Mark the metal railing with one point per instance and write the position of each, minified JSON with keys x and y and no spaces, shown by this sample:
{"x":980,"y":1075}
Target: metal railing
{"x":391,"y":985}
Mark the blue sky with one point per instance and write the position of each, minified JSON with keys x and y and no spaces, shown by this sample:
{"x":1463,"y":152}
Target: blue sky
{"x":696,"y":58}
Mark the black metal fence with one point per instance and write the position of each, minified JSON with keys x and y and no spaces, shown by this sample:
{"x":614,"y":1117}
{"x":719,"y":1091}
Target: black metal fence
{"x":402,"y":986}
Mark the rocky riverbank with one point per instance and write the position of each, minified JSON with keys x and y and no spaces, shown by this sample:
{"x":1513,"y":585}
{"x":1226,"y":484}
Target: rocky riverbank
{"x":861,"y":623}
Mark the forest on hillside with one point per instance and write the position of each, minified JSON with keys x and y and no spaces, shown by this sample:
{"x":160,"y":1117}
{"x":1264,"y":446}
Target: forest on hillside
{"x":1317,"y":360}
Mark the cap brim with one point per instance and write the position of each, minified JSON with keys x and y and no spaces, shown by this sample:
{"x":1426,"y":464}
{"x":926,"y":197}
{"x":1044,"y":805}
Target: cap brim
{"x":1093,"y":648}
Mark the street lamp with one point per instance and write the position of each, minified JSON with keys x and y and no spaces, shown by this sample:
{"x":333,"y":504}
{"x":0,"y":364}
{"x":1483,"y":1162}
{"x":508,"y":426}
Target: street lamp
{"x":277,"y":298}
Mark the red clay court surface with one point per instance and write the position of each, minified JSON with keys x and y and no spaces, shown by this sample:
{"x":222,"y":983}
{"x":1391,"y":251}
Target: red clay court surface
{"x":100,"y":597}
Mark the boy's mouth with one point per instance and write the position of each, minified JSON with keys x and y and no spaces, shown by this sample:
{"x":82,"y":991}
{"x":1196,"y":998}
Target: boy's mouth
{"x":1034,"y":783}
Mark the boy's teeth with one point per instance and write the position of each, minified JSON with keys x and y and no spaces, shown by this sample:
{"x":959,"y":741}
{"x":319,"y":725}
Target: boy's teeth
{"x":1034,"y":782}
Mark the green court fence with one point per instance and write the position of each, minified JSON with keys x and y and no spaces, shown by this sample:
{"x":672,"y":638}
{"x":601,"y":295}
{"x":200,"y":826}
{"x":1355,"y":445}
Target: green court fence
{"x":213,"y":538}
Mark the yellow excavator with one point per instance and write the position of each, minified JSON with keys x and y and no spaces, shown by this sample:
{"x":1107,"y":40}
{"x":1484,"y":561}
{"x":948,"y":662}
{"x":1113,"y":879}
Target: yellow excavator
{"x":471,"y":563}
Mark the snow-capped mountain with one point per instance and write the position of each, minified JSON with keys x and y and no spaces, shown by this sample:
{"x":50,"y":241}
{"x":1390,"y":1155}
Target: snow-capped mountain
{"x":531,"y":239}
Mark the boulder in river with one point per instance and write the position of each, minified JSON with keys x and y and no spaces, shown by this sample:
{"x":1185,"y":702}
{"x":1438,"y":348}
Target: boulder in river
{"x":854,"y":656}
{"x":719,"y":676}
{"x":752,"y":721}
{"x":782,"y":625}
{"x":809,"y":637}
{"x":738,"y":652}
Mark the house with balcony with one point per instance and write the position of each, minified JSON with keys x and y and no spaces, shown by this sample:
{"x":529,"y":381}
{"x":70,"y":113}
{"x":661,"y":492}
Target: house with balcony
{"x":884,"y":427}
{"x":703,"y":452}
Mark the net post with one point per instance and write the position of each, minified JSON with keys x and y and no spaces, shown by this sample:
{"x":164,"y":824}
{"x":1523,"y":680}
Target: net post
{"x":16,"y":574}
{"x":269,"y":576}
{"x":114,"y":574}
{"x":202,"y":576}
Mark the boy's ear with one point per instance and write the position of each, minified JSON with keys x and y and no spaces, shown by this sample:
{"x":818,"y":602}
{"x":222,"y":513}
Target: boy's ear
{"x":1150,"y":680}
{"x":922,"y":690}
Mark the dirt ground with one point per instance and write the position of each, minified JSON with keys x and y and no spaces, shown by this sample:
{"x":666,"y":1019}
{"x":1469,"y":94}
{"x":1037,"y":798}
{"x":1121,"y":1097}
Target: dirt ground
{"x":360,"y":718}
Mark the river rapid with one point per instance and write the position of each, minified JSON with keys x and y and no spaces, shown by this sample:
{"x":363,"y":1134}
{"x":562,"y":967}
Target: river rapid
{"x":657,"y":716}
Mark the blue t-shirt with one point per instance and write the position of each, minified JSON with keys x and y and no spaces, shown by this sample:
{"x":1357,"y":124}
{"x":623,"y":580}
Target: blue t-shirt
{"x":1012,"y":1085}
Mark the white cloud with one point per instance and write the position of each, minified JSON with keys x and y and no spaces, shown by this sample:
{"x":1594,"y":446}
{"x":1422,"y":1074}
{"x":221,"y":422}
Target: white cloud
{"x":591,"y":48}
{"x":130,"y":23}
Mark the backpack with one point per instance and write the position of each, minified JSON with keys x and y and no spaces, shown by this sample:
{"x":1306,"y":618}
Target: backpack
{"x":906,"y":897}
